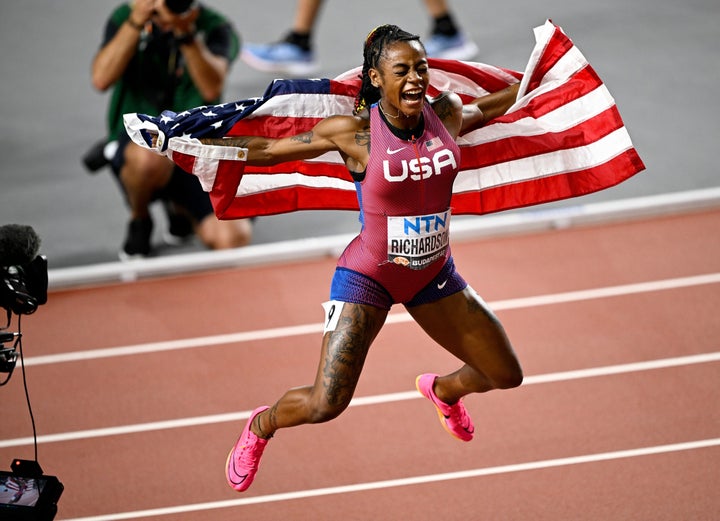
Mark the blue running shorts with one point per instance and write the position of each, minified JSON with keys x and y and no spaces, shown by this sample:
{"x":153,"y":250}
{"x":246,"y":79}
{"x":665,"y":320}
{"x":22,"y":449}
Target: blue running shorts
{"x":354,"y":287}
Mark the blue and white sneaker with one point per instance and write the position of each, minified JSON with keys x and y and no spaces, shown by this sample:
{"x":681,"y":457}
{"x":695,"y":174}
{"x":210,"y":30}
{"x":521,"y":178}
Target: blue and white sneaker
{"x":457,"y":47}
{"x":279,"y":57}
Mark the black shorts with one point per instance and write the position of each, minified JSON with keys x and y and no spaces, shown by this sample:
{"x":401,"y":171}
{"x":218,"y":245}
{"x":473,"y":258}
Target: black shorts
{"x":183,"y":189}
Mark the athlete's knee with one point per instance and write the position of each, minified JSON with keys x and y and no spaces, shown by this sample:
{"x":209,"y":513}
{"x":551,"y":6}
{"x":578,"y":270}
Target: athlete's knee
{"x":220,"y":235}
{"x":508,"y":378}
{"x":142,"y":164}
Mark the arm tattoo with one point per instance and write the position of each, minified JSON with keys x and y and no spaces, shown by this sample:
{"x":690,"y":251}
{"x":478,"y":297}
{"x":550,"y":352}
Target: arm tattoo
{"x":238,"y":141}
{"x":362,"y":137}
{"x":305,"y":137}
{"x":443,"y":108}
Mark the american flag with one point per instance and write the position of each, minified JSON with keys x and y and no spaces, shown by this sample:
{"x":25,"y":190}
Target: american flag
{"x":563,"y":138}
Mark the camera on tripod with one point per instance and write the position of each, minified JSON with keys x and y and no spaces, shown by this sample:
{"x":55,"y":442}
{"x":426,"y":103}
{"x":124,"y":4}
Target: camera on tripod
{"x":26,"y":494}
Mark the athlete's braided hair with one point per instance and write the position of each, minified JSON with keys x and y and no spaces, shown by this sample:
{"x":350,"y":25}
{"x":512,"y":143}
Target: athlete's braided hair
{"x":375,"y":44}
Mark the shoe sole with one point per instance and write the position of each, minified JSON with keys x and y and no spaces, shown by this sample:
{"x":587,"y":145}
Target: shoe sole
{"x":297,"y":69}
{"x":130,"y":257}
{"x":227,"y":465}
{"x":441,"y":416}
{"x":466,"y":52}
{"x":176,"y":240}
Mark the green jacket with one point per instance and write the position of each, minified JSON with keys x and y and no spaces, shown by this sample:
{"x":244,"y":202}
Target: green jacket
{"x":156,"y":78}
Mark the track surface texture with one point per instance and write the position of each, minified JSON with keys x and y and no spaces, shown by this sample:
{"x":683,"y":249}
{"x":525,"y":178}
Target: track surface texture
{"x":139,"y":389}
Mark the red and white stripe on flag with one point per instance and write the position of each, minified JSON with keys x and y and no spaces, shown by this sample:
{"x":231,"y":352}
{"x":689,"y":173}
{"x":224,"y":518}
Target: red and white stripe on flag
{"x":563,"y":138}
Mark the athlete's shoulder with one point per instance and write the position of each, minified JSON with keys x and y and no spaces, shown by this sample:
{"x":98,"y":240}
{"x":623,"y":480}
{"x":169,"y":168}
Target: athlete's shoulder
{"x":446,"y":102}
{"x":448,"y":107}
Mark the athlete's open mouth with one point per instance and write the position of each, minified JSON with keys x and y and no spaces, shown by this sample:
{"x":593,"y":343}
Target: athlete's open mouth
{"x":412,"y":95}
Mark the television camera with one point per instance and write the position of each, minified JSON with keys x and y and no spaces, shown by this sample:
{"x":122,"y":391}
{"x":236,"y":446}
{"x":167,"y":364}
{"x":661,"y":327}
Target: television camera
{"x":23,"y":282}
{"x":26,"y":494}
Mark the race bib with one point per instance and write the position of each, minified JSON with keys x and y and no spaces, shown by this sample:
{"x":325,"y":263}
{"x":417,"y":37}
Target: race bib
{"x":332,"y":309}
{"x":419,"y":240}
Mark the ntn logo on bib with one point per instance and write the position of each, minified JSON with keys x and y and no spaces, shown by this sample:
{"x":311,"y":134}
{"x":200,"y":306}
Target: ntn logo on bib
{"x":417,"y":241}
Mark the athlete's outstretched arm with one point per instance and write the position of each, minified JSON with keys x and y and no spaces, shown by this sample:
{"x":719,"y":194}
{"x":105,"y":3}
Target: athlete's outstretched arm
{"x":335,"y":133}
{"x":458,"y":117}
{"x":483,"y":109}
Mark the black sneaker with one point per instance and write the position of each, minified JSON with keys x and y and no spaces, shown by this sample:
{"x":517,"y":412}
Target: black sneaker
{"x":137,"y":241}
{"x":180,"y":227}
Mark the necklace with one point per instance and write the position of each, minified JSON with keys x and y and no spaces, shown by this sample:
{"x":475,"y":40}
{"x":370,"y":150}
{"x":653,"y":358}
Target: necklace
{"x":397,"y":116}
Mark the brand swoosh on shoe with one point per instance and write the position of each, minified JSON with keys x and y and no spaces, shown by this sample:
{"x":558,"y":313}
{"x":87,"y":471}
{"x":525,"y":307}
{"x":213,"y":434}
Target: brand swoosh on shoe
{"x":232,"y":478}
{"x":391,"y":152}
{"x":466,"y":428}
{"x":242,"y":479}
{"x":442,"y":285}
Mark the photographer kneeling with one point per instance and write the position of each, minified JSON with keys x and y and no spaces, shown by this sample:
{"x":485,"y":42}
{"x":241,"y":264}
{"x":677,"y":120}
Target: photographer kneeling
{"x":164,"y":55}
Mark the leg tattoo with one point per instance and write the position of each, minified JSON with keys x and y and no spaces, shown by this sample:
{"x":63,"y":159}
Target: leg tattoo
{"x":346,"y":352}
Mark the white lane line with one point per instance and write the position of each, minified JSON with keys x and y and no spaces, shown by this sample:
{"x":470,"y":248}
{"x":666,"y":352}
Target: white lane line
{"x":411,"y":481}
{"x":395,"y":318}
{"x":469,"y":228}
{"x":360,"y":401}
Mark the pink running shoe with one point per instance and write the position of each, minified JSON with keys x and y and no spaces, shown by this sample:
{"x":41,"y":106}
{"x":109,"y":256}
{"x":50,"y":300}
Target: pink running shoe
{"x":244,"y":458}
{"x":454,"y":418}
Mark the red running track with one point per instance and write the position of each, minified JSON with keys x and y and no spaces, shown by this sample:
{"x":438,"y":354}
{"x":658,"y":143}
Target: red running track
{"x":616,"y":327}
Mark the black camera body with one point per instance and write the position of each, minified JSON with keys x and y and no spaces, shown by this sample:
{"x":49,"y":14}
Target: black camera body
{"x":23,"y":288}
{"x":26,"y":494}
{"x":8,"y":355}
